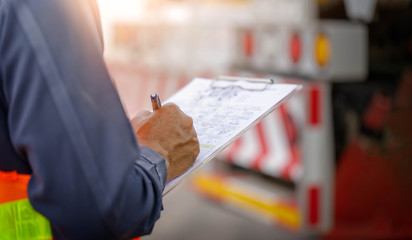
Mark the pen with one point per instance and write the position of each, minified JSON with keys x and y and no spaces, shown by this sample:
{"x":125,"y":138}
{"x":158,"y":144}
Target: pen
{"x":155,"y":101}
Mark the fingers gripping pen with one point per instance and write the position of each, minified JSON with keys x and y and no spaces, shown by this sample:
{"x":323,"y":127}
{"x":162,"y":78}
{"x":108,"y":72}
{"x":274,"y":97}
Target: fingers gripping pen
{"x":155,"y":101}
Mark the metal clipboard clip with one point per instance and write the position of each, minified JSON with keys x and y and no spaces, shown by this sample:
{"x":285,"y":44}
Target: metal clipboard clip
{"x":261,"y":85}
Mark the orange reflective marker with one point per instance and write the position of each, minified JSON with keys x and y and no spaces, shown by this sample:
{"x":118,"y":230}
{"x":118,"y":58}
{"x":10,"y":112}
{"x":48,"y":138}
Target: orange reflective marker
{"x":295,"y":48}
{"x":322,"y":50}
{"x":248,"y":43}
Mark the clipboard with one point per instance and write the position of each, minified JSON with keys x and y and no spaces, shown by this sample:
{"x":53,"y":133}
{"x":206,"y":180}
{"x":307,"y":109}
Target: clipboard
{"x":224,"y":108}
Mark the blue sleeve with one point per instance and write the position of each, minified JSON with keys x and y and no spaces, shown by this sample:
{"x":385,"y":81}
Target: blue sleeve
{"x":90,"y":178}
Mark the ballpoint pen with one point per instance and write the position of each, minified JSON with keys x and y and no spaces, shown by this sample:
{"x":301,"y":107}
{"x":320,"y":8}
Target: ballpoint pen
{"x":155,"y":101}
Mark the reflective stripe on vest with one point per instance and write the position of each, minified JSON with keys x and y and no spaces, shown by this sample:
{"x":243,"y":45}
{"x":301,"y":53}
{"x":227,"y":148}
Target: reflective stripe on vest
{"x":18,"y":219}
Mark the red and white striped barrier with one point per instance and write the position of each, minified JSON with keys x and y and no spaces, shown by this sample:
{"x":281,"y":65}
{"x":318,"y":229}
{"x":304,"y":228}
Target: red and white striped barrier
{"x":271,"y":147}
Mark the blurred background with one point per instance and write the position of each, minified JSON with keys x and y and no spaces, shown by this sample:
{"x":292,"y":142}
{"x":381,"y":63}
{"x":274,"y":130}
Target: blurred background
{"x":334,"y":162}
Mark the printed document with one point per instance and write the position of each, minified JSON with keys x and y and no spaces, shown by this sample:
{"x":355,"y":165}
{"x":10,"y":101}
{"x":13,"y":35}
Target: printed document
{"x":222,"y":110}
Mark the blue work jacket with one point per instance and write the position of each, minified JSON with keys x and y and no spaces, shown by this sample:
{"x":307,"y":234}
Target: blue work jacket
{"x":61,"y":121}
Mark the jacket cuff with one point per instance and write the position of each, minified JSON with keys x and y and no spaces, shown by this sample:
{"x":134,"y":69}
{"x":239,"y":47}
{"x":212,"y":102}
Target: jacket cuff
{"x":153,"y":162}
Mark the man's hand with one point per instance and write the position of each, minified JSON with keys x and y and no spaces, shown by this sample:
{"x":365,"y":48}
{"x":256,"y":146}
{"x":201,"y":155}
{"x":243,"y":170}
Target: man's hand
{"x":170,"y":133}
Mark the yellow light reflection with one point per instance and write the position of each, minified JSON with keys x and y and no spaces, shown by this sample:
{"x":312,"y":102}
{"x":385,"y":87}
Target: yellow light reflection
{"x":322,"y":50}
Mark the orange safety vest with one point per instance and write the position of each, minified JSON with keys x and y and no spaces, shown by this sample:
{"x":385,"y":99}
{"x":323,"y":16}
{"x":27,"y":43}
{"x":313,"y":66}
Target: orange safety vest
{"x":18,"y":219}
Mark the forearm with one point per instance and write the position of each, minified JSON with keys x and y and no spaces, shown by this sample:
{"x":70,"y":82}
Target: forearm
{"x":139,"y":202}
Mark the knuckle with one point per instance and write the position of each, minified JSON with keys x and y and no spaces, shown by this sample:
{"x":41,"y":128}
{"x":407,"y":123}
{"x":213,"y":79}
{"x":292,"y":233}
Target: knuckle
{"x":169,"y":107}
{"x":172,"y":106}
{"x":189,"y":121}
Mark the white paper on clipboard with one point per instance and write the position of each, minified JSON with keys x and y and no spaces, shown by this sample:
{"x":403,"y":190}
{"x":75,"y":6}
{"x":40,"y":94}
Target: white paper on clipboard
{"x":224,"y":109}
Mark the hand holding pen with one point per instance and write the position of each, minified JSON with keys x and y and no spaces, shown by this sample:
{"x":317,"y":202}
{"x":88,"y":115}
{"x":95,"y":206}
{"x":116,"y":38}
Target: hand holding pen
{"x":169,"y":132}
